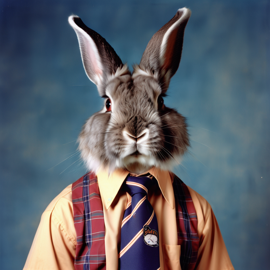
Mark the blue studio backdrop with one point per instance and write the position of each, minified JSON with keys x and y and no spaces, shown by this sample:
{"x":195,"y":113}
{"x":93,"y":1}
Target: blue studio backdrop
{"x":222,"y":87}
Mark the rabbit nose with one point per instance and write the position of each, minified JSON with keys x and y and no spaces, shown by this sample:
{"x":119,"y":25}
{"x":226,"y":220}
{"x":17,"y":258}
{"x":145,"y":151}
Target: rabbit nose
{"x":140,"y":137}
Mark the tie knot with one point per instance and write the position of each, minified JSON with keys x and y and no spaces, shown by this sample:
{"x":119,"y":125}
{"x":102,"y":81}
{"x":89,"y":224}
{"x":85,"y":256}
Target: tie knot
{"x":139,"y":184}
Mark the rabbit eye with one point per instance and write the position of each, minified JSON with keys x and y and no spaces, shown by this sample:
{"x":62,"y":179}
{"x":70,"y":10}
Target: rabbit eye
{"x":160,"y":103}
{"x":108,"y":105}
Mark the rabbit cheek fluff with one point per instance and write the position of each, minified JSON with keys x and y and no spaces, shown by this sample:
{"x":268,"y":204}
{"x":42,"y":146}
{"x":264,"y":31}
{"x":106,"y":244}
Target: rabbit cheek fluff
{"x":176,"y":138}
{"x":92,"y":141}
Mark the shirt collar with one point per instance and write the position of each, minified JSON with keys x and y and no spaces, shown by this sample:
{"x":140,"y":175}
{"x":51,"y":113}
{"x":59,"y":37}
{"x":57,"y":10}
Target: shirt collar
{"x":110,"y":184}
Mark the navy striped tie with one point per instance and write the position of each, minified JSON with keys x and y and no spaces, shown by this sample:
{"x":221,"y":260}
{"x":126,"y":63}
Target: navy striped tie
{"x":139,"y":249}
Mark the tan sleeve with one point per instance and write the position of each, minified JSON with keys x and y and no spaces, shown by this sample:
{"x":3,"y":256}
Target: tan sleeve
{"x":54,"y":244}
{"x":212,"y":254}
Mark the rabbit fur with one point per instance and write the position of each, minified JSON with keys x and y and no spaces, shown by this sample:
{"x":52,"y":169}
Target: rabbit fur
{"x":134,"y":130}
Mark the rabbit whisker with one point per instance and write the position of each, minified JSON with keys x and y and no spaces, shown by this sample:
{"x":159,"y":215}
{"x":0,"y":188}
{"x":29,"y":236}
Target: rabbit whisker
{"x":78,"y":167}
{"x":106,"y":132}
{"x":201,"y":143}
{"x":69,"y":142}
{"x":170,"y":154}
{"x":170,"y":136}
{"x":75,"y":153}
{"x":171,"y":126}
{"x":166,"y":151}
{"x":70,"y":165}
{"x":162,"y":157}
{"x":193,"y":155}
{"x":174,"y":145}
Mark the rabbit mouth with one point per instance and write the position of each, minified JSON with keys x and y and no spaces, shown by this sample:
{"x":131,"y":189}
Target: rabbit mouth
{"x":137,"y":162}
{"x":136,"y":154}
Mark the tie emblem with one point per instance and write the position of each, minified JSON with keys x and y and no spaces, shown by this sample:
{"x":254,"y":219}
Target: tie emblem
{"x":150,"y":236}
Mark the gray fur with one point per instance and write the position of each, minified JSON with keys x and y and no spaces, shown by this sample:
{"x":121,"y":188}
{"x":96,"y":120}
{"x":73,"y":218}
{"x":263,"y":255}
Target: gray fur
{"x":136,"y":124}
{"x":151,"y":57}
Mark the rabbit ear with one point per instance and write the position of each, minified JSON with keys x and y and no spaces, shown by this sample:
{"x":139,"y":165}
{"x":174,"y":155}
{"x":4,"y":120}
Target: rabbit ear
{"x":98,"y":57}
{"x":163,"y":52}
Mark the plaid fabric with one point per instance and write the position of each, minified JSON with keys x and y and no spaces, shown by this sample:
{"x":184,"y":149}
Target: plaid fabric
{"x":90,"y":229}
{"x":187,"y":225}
{"x":89,"y":224}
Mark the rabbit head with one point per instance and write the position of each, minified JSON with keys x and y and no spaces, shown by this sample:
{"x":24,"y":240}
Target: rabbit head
{"x":135,"y":129}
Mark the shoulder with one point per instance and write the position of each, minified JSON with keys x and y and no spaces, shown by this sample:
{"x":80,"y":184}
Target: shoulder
{"x":207,"y":223}
{"x":211,"y":241}
{"x":55,"y":240}
{"x":64,"y":199}
{"x":201,"y":205}
{"x":59,"y":214}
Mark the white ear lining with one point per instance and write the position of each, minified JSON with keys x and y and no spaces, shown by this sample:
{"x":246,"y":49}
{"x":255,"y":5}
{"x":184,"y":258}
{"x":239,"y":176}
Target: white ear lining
{"x":89,"y":53}
{"x":163,"y":47}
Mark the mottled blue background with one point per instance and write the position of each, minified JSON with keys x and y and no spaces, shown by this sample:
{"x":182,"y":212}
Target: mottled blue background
{"x":222,"y":87}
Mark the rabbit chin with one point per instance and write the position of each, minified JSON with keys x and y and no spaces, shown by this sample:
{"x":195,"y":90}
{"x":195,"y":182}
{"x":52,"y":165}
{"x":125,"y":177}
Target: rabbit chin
{"x":139,"y":164}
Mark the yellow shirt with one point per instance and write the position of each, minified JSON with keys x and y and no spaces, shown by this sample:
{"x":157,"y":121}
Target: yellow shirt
{"x":54,"y":244}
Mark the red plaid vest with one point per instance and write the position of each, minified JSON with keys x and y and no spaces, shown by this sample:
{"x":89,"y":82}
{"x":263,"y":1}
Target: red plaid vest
{"x":90,"y":229}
